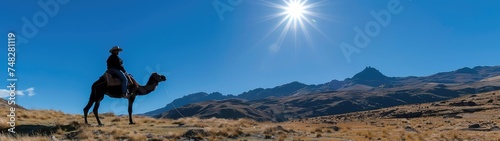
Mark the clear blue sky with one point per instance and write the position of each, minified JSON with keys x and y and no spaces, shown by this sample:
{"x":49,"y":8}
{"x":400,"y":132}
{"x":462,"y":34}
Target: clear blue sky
{"x":187,"y":41}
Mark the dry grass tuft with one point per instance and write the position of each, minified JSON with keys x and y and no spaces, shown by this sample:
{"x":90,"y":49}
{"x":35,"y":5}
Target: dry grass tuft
{"x":137,"y":137}
{"x":4,"y":137}
{"x":3,"y":123}
{"x":116,"y":119}
{"x":109,"y":114}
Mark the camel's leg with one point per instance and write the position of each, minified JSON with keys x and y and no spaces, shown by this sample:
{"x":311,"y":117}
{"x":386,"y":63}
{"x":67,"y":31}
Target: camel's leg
{"x":96,"y":113}
{"x":87,"y":108}
{"x":130,"y":104}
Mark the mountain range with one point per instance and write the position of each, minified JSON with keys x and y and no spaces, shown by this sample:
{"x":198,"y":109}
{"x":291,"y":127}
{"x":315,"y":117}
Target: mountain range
{"x":367,"y":90}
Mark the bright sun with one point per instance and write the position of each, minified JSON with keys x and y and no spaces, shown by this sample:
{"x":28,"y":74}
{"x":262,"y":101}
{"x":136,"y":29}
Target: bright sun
{"x":295,"y":9}
{"x":296,"y":15}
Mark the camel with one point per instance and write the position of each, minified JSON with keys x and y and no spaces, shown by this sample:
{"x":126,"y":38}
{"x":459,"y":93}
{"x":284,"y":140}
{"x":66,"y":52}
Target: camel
{"x":100,"y":88}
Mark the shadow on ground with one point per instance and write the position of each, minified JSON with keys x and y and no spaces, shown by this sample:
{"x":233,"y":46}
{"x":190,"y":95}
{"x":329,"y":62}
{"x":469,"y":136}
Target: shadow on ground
{"x":71,"y":129}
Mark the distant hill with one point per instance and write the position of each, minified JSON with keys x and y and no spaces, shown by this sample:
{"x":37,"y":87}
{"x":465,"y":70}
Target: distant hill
{"x":259,"y":93}
{"x":371,"y":77}
{"x":367,"y":90}
{"x":280,"y":91}
{"x":5,"y":103}
{"x":229,"y":109}
{"x":478,"y":104}
{"x":188,"y":99}
{"x":313,"y":105}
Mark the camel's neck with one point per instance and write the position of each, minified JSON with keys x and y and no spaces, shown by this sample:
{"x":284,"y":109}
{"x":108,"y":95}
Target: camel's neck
{"x":148,"y":88}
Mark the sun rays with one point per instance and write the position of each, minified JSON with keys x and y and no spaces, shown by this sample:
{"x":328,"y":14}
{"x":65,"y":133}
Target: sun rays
{"x":296,"y":16}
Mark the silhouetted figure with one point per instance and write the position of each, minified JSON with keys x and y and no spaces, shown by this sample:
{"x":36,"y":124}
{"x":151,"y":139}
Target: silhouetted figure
{"x":115,"y":66}
{"x":100,"y":88}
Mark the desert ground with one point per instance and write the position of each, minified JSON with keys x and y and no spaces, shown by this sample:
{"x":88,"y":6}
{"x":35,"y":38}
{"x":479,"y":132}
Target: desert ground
{"x":450,"y":120}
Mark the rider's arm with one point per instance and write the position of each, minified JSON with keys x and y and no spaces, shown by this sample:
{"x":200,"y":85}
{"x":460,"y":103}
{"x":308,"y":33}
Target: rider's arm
{"x":120,"y":62}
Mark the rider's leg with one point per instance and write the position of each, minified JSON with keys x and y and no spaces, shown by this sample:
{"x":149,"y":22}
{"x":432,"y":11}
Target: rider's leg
{"x":123,"y":79}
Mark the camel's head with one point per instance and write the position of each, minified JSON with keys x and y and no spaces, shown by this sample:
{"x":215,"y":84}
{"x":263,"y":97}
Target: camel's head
{"x":158,"y":77}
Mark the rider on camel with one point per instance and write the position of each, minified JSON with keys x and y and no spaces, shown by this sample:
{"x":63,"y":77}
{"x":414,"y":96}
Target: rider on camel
{"x":115,"y":66}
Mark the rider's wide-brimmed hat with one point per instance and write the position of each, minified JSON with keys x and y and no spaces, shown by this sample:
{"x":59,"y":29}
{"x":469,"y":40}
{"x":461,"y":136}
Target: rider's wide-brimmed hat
{"x":115,"y":48}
